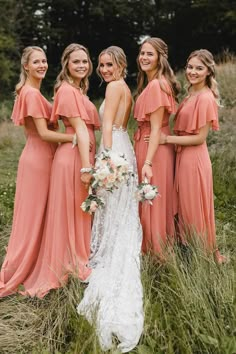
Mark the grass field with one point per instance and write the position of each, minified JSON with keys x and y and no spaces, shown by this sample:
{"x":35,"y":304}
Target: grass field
{"x":189,"y":302}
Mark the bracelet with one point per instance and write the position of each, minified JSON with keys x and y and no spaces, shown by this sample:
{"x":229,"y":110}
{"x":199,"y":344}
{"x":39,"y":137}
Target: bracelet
{"x":147,"y":162}
{"x":165,"y":141}
{"x":74,"y":141}
{"x":86,"y":170}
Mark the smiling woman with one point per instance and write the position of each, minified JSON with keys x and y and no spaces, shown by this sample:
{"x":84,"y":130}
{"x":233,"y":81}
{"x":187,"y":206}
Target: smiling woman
{"x":113,"y":298}
{"x":193,"y":198}
{"x":32,"y":111}
{"x":65,"y":244}
{"x":155,"y":101}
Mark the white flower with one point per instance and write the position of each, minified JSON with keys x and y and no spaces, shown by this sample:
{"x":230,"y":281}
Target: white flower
{"x":102,"y":173}
{"x":146,"y":192}
{"x":118,"y":160}
{"x":150,"y":195}
{"x":147,"y":188}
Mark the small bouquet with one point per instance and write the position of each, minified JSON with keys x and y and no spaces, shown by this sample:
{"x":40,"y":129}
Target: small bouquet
{"x":147,"y":192}
{"x":111,"y":169}
{"x":92,"y":202}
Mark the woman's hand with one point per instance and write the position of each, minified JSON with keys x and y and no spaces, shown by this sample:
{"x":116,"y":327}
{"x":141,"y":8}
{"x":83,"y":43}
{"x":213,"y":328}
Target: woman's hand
{"x":163,"y":138}
{"x":86,"y":178}
{"x":147,"y":173}
{"x":146,"y":138}
{"x":90,"y":145}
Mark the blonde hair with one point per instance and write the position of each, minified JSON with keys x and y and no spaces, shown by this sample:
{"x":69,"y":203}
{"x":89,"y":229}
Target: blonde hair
{"x":207,"y":59}
{"x":163,"y":68}
{"x":27,"y":51}
{"x":117,"y":56}
{"x":64,"y":74}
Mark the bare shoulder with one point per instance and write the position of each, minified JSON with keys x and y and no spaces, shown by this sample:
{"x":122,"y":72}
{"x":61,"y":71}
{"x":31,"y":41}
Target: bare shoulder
{"x":114,"y":86}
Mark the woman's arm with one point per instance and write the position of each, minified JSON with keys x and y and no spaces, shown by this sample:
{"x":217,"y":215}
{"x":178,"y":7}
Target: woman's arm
{"x":50,"y":135}
{"x":83,"y":139}
{"x":83,"y":144}
{"x":112,"y":100}
{"x":185,"y":140}
{"x":156,"y":124}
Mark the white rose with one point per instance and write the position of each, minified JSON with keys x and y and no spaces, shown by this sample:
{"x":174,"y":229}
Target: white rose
{"x":147,"y":188}
{"x":150,"y":195}
{"x":102,"y":173}
{"x":118,"y":160}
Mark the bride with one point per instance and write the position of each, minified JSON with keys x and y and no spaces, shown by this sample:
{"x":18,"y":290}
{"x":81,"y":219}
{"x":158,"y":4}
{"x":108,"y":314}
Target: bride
{"x":113,"y":300}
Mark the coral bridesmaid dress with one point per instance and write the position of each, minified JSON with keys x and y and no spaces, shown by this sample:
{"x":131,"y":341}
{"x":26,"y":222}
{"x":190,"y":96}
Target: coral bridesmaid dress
{"x":158,"y":219}
{"x":32,"y":187}
{"x":65,"y":247}
{"x":193,"y":181}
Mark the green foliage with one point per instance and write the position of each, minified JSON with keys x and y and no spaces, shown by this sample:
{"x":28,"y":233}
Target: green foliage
{"x":189,"y":301}
{"x":7,"y":193}
{"x":98,"y":24}
{"x":5,"y":112}
{"x":8,"y":48}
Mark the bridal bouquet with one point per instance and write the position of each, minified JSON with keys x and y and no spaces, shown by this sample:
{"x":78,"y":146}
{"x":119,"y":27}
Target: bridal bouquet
{"x":92,"y":202}
{"x":147,"y":192}
{"x":111,"y":169}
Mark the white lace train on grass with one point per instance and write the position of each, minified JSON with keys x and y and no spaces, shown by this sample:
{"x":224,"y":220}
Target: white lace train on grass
{"x":113,"y":300}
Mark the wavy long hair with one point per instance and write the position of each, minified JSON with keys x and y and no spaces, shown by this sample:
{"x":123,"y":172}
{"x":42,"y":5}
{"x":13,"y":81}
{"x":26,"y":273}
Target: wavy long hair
{"x":163,"y":68}
{"x":207,"y":59}
{"x":27,"y":51}
{"x":64,"y":74}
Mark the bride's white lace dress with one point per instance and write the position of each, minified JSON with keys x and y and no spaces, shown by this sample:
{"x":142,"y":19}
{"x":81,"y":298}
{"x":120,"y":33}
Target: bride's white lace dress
{"x":113,"y":300}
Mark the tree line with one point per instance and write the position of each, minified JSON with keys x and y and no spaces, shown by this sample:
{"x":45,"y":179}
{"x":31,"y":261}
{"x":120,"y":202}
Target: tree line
{"x":185,"y":25}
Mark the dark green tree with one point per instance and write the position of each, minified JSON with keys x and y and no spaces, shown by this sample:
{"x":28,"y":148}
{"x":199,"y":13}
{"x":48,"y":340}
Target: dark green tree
{"x":8,"y":48}
{"x":184,"y":24}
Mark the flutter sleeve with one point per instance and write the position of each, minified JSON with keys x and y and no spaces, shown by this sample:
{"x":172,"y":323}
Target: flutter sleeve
{"x":200,"y":112}
{"x":30,"y":103}
{"x":157,"y":94}
{"x":68,"y":102}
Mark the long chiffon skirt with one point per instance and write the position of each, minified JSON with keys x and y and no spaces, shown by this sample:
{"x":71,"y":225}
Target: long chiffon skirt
{"x":65,"y":247}
{"x":158,"y":219}
{"x":32,"y":186}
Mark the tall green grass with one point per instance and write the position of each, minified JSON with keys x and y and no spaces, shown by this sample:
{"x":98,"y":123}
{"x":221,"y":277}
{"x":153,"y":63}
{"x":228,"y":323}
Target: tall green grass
{"x":189,"y":301}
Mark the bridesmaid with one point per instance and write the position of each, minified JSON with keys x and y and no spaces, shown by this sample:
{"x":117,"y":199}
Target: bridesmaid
{"x":65,"y":246}
{"x":197,"y":113}
{"x":155,"y":101}
{"x":32,"y":111}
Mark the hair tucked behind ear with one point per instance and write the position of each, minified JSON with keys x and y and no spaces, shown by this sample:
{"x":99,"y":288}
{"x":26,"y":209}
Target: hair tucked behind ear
{"x":64,"y":74}
{"x":163,"y":68}
{"x":24,"y":60}
{"x":207,"y":59}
